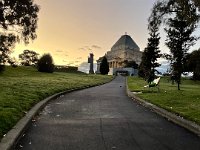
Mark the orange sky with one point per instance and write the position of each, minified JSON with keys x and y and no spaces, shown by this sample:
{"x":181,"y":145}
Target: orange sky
{"x":70,"y":29}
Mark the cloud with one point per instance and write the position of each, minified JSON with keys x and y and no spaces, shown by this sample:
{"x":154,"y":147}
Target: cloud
{"x":96,"y":47}
{"x":82,"y":49}
{"x":70,"y":64}
{"x":59,"y":51}
{"x":86,"y":48}
{"x":84,"y":67}
{"x":90,"y":48}
{"x":65,"y":61}
{"x":163,"y":68}
{"x":79,"y":58}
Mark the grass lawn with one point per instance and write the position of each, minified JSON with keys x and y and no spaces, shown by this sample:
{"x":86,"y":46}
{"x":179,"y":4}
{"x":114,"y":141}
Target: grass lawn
{"x":185,"y":102}
{"x":22,"y":87}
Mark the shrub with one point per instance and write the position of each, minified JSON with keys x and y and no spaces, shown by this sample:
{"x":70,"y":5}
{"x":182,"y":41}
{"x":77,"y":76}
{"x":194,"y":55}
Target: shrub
{"x":2,"y":68}
{"x":104,"y":67}
{"x":45,"y":64}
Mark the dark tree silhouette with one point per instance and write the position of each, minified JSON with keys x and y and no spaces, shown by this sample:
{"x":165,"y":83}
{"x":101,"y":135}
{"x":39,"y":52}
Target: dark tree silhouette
{"x":197,"y":3}
{"x":45,"y":64}
{"x":179,"y":34}
{"x":180,"y":18}
{"x":18,"y":21}
{"x":104,"y":67}
{"x":192,"y":64}
{"x":131,"y":64}
{"x":145,"y":65}
{"x":28,"y":58}
{"x":151,"y":53}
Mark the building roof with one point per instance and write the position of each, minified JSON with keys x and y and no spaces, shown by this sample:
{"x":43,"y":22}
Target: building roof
{"x":125,"y":42}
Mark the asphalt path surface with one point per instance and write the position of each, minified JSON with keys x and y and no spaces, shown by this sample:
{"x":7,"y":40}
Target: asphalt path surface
{"x":103,"y":118}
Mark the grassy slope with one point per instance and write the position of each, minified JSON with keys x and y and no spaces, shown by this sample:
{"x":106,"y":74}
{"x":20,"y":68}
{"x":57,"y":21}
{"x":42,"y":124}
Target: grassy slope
{"x":22,"y":87}
{"x":185,"y":102}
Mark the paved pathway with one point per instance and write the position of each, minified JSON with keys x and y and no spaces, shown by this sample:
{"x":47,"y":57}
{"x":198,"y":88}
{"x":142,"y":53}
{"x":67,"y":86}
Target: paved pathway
{"x":104,"y":118}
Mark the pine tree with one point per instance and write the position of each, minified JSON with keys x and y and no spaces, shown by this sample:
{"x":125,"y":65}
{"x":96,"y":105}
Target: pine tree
{"x":145,"y":65}
{"x":104,"y":67}
{"x":151,"y":53}
{"x":179,"y":33}
{"x":192,"y":64}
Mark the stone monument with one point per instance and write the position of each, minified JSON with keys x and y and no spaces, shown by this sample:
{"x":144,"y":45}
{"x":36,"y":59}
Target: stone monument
{"x":124,"y":50}
{"x":90,"y":60}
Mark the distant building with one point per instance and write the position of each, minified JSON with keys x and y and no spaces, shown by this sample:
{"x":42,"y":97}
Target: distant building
{"x":124,"y":50}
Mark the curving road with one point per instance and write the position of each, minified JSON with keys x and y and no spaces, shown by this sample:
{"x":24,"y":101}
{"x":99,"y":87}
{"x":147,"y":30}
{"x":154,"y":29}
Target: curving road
{"x":103,"y":118}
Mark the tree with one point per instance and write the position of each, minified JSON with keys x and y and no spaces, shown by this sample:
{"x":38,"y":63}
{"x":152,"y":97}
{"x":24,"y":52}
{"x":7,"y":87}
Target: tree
{"x":6,"y":43}
{"x":151,"y":53}
{"x":45,"y":64}
{"x":131,"y":64}
{"x":179,"y":33}
{"x":28,"y":58}
{"x":180,"y":18}
{"x":197,"y":3}
{"x":145,"y":65}
{"x":18,"y":22}
{"x":104,"y":67}
{"x":192,"y":64}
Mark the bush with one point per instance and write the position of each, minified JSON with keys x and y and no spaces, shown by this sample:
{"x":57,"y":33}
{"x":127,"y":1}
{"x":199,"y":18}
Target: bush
{"x":2,"y":68}
{"x":45,"y":64}
{"x":104,"y":67}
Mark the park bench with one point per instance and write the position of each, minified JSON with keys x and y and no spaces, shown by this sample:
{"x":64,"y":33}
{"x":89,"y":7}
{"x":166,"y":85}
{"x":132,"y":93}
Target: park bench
{"x":154,"y":83}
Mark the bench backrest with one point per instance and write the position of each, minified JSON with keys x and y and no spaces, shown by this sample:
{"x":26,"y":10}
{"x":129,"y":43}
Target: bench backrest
{"x":156,"y":81}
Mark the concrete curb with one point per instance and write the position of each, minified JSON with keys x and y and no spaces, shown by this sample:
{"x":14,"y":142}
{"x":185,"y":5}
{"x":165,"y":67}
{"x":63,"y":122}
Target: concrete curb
{"x":189,"y":125}
{"x":9,"y":141}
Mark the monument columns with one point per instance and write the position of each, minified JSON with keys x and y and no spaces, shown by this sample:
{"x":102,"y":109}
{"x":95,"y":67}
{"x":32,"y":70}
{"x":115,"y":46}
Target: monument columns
{"x":110,"y":65}
{"x":113,"y":64}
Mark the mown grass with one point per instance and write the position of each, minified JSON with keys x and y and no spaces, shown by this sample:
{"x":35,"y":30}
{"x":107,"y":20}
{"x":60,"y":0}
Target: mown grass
{"x":185,"y":102}
{"x":23,"y":87}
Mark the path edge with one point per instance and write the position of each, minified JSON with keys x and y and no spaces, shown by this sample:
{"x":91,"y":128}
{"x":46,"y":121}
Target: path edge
{"x":187,"y":124}
{"x":9,"y":141}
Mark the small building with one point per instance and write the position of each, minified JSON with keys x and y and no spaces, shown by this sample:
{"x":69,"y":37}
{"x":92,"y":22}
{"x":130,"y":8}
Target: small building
{"x":124,"y":50}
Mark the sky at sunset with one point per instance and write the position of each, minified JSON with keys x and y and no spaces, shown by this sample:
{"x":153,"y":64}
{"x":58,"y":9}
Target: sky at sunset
{"x":70,"y":29}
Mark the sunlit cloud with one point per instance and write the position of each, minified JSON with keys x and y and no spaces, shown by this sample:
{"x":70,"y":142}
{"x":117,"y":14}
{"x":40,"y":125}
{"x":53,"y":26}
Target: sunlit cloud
{"x":79,"y":58}
{"x":65,"y":61}
{"x":59,"y":51}
{"x":96,"y":47}
{"x":78,"y":29}
{"x":84,"y":67}
{"x":82,"y":49}
{"x":90,"y":48}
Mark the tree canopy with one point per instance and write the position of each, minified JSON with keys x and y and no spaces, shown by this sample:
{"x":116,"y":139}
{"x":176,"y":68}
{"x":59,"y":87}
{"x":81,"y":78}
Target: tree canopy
{"x":151,"y":53}
{"x":45,"y":64}
{"x":104,"y":67}
{"x":192,"y":64}
{"x":180,"y":18}
{"x":28,"y":58}
{"x":18,"y":22}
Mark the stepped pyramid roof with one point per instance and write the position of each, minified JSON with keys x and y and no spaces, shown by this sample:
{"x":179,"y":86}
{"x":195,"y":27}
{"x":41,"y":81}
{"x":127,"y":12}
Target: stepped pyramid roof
{"x":125,"y":42}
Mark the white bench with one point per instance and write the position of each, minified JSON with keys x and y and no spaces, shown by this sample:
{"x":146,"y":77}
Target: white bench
{"x":154,"y":83}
